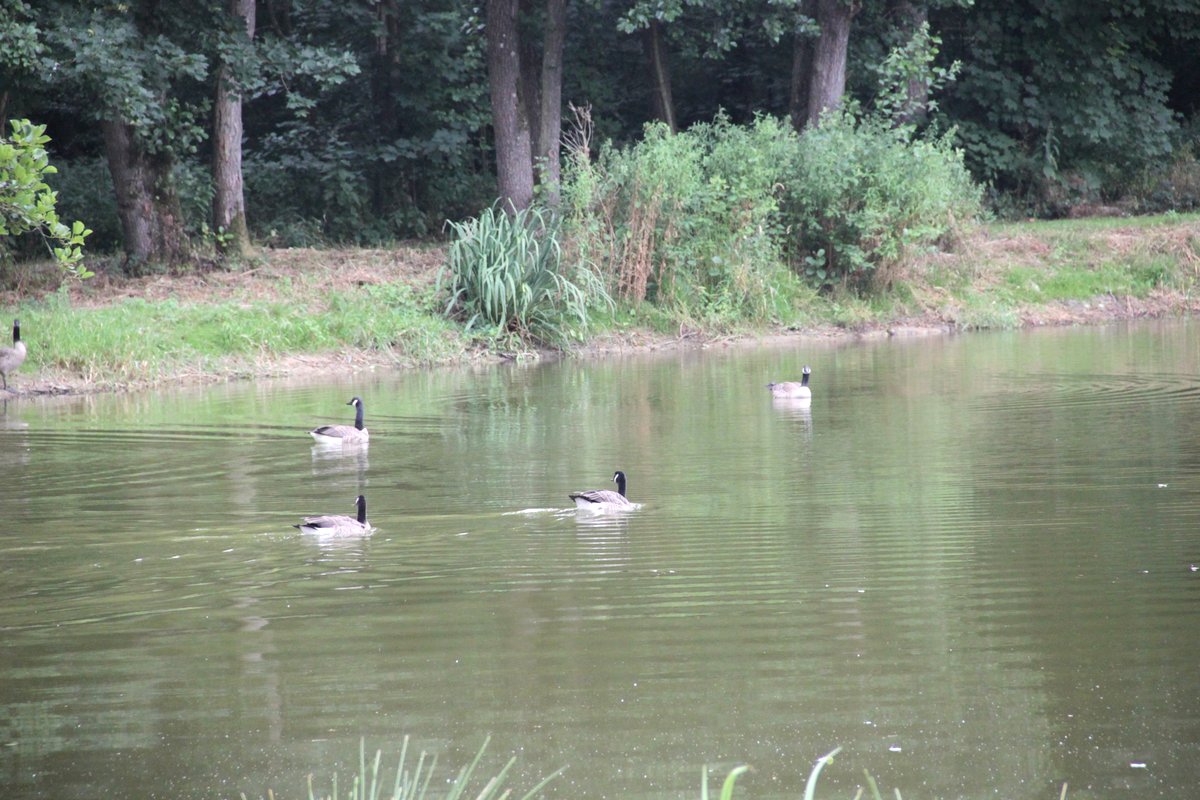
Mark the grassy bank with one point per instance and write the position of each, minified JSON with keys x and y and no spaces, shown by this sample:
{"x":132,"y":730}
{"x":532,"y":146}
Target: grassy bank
{"x":340,"y":310}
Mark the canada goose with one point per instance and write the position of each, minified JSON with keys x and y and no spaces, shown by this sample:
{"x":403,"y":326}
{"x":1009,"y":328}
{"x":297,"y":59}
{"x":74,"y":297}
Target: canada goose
{"x":11,"y":357}
{"x":600,"y":498}
{"x":344,"y":434}
{"x":796,"y":391}
{"x":338,"y":524}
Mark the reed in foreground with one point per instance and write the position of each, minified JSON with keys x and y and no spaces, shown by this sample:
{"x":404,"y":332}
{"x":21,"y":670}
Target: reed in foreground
{"x":412,"y":782}
{"x":810,"y":787}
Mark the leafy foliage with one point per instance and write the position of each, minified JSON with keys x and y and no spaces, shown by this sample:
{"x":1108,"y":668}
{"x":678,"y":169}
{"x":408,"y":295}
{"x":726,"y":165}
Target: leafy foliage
{"x":27,"y":204}
{"x":687,"y":221}
{"x":708,"y":221}
{"x":912,"y":62}
{"x":1065,"y":91}
{"x":859,"y":193}
{"x":367,"y":122}
{"x":131,"y":70}
{"x":506,"y":273}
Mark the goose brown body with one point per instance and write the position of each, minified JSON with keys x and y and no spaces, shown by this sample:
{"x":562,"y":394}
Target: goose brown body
{"x":344,"y":434}
{"x":12,"y":357}
{"x":598,"y":498}
{"x":338,"y":524}
{"x":795,"y":390}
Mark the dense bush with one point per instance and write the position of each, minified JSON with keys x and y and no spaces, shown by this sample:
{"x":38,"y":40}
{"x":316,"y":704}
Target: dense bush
{"x":719,"y":220}
{"x":1062,"y":101}
{"x":507,"y":277}
{"x":858,"y":194}
{"x":689,"y":220}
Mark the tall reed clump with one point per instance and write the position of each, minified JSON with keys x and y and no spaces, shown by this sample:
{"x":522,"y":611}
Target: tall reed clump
{"x":507,"y":276}
{"x":412,"y":780}
{"x":860,"y":193}
{"x":686,"y":221}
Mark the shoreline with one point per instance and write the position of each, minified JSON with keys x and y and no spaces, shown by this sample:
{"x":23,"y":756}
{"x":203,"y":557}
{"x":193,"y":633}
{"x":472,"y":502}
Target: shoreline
{"x":298,"y":312}
{"x":1105,"y":310}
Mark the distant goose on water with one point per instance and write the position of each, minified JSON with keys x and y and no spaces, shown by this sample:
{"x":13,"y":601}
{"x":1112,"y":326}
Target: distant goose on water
{"x":791,"y":389}
{"x":344,"y":434}
{"x":597,"y":499}
{"x":12,"y":357}
{"x":338,"y":524}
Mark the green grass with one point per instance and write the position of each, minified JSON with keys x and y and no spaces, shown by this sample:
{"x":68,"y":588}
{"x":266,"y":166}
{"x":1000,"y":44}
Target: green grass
{"x":1091,"y":225}
{"x":1020,"y":267}
{"x":995,"y":279}
{"x":138,"y":340}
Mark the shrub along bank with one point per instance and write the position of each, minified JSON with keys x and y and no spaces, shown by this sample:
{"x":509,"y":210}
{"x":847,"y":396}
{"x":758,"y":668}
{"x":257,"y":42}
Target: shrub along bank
{"x":723,"y":225}
{"x":721,"y":230}
{"x":341,"y":310}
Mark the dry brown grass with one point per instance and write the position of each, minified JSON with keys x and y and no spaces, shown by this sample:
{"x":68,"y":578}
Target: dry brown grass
{"x":416,"y":264}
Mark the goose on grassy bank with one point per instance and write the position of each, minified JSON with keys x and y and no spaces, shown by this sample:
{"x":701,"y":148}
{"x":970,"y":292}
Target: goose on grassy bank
{"x":344,"y":434}
{"x":338,"y":524}
{"x":12,"y":357}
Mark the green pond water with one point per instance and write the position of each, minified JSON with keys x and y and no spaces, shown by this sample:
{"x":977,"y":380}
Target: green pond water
{"x":973,"y":563}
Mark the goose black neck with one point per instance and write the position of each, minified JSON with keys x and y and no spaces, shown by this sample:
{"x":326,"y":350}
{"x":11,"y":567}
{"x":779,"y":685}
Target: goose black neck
{"x":620,"y":479}
{"x":16,"y":331}
{"x":362,"y":510}
{"x":804,"y":379}
{"x":358,"y":422}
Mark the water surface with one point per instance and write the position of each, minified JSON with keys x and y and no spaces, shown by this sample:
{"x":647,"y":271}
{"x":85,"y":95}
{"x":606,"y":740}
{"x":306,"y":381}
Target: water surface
{"x":972,"y":563}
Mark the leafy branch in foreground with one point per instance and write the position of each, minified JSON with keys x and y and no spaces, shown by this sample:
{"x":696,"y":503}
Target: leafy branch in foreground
{"x":27,"y":202}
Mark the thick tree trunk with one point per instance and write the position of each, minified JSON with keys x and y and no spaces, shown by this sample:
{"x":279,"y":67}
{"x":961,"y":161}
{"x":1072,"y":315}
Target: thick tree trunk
{"x":514,"y":155}
{"x":549,"y":135}
{"x":802,"y":50}
{"x":151,"y":221}
{"x":229,"y":200}
{"x":661,"y":104}
{"x":828,"y":82}
{"x":910,"y":17}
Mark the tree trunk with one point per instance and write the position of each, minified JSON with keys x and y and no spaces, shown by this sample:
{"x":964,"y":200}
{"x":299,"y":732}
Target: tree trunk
{"x":514,"y":155}
{"x":910,"y":17}
{"x":531,"y":78}
{"x":229,"y":200}
{"x":550,"y":119}
{"x":828,"y":82}
{"x":802,"y":54}
{"x":151,"y":221}
{"x":661,"y":104}
{"x":387,"y":190}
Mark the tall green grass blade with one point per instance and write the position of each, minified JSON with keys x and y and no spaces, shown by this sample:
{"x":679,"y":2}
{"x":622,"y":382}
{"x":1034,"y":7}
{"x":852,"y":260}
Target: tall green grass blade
{"x":810,"y":788}
{"x":730,"y":779}
{"x":542,"y":783}
{"x":874,"y":788}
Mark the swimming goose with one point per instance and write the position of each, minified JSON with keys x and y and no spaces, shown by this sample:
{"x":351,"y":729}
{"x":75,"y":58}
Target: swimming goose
{"x":338,"y":524}
{"x":791,"y":389}
{"x":11,"y":357}
{"x":600,"y":498}
{"x":344,"y":434}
